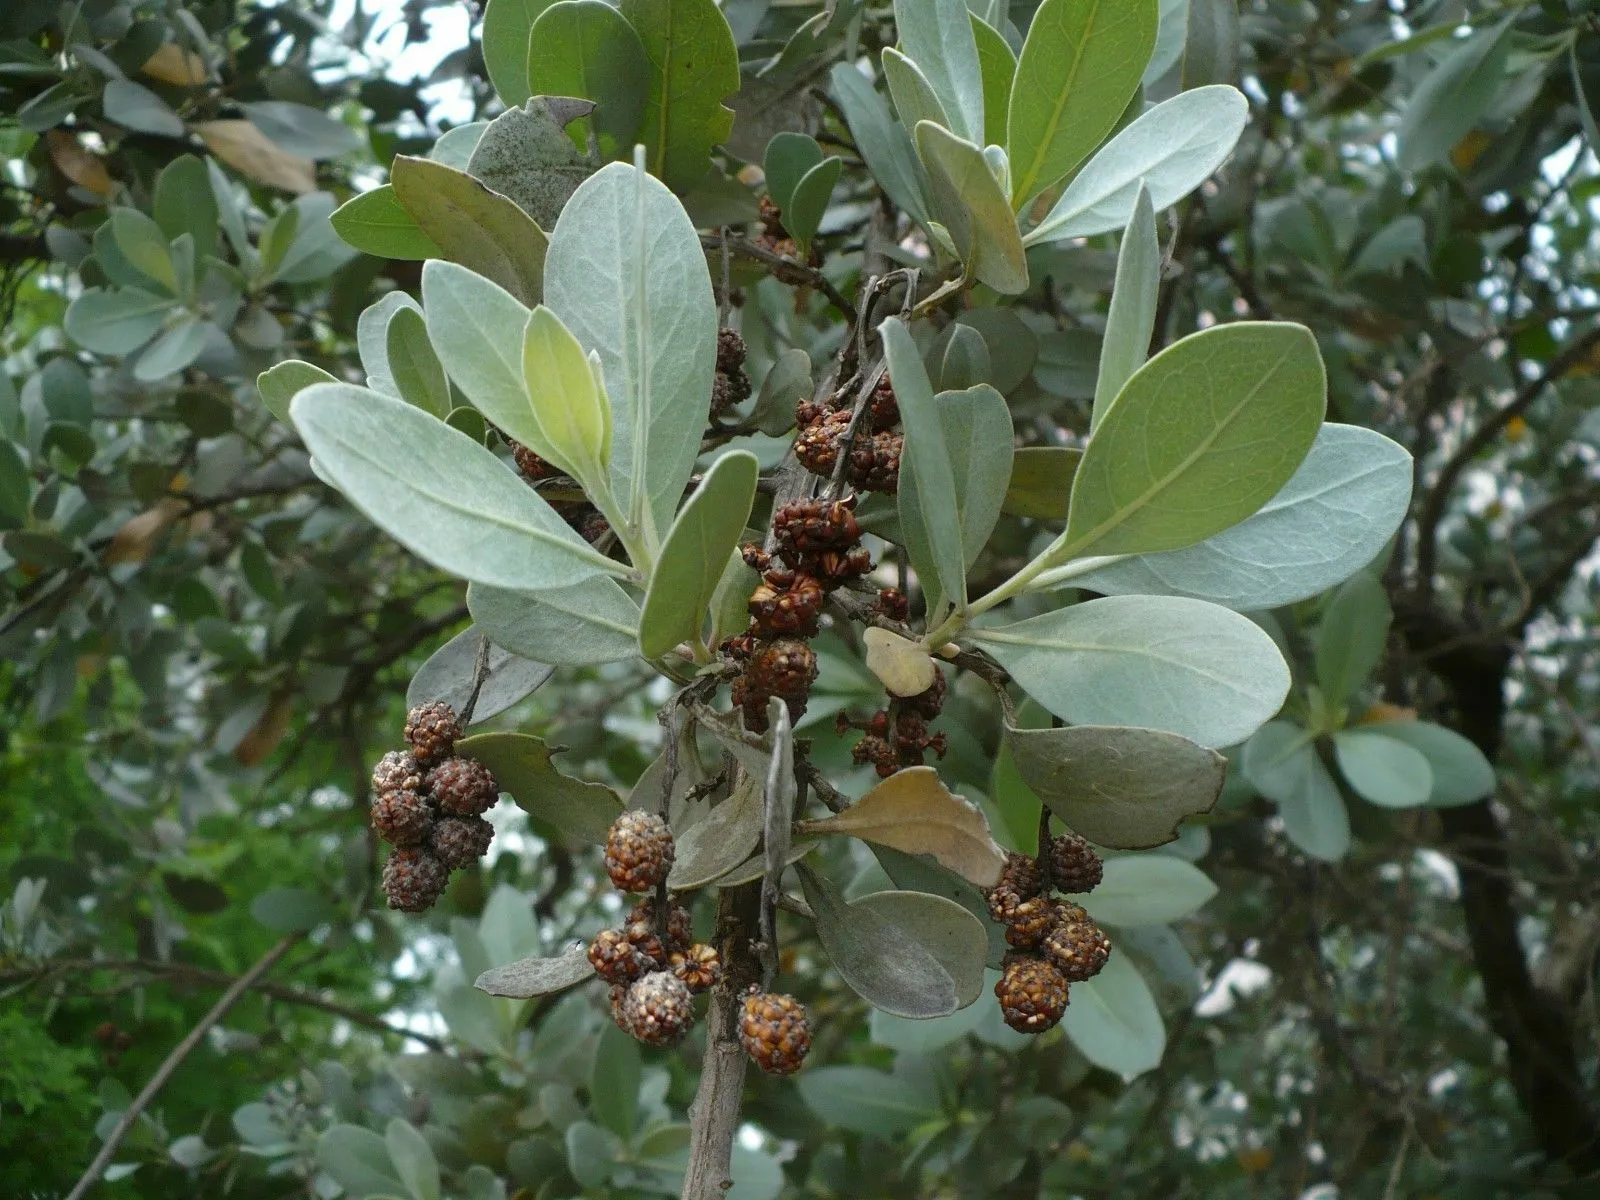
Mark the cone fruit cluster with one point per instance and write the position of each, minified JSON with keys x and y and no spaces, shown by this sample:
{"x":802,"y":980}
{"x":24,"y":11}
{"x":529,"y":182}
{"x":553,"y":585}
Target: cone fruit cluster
{"x":818,"y":549}
{"x":731,"y":384}
{"x":429,"y":804}
{"x":651,"y":961}
{"x":580,"y":514}
{"x":774,"y":1031}
{"x":873,"y":463}
{"x":897,"y":737}
{"x":775,"y":237}
{"x":1056,"y":943}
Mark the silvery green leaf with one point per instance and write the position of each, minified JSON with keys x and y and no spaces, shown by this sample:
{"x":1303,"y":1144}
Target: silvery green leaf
{"x":1113,"y":1019}
{"x":1132,"y":317}
{"x":883,"y":141}
{"x":1382,"y":770}
{"x":372,"y":339}
{"x":1352,"y":636}
{"x":937,"y":36}
{"x":1461,"y":773}
{"x":448,"y":675}
{"x":1281,"y":761}
{"x":589,"y":623}
{"x":1147,"y":889}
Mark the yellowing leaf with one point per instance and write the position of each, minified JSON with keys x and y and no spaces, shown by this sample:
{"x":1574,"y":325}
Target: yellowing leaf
{"x":568,"y":398}
{"x":138,"y":534}
{"x":77,"y":164}
{"x":914,"y":812}
{"x":267,"y":732}
{"x":175,"y":65}
{"x":245,"y":148}
{"x":1384,"y":713}
{"x":904,"y":668}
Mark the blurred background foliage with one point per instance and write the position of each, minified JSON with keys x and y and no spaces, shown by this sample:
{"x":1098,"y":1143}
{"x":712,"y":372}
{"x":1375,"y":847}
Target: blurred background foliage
{"x":202,"y":650}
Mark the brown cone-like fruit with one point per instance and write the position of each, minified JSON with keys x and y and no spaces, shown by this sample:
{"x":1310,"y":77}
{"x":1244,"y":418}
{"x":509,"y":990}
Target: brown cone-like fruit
{"x":397,"y":770}
{"x":463,"y":787}
{"x":402,"y":818}
{"x":1032,"y":995}
{"x":1074,"y":866}
{"x":1030,"y":921}
{"x":639,"y":851}
{"x":1076,"y":946}
{"x":658,"y":1009}
{"x":1019,"y":881}
{"x":774,"y":1032}
{"x":699,"y":967}
{"x":614,"y":958}
{"x":642,"y":921}
{"x":461,"y":841}
{"x":413,"y":880}
{"x":432,"y":730}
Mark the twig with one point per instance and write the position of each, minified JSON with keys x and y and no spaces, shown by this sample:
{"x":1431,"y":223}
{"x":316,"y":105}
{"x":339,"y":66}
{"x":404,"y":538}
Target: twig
{"x":785,"y":269}
{"x":174,"y":1060}
{"x":480,"y":675}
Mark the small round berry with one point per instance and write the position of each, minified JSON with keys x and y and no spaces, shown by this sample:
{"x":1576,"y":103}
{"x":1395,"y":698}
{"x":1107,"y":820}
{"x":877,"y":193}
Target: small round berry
{"x":615,"y":959}
{"x":397,"y":770}
{"x":875,"y":462}
{"x":464,"y":787}
{"x":928,"y":704}
{"x":1078,"y":948}
{"x":1031,"y":920}
{"x":639,"y":851}
{"x":893,"y":603}
{"x":699,"y":967}
{"x":643,"y":914}
{"x":402,"y":818}
{"x":1032,"y":995}
{"x":413,"y":880}
{"x":785,"y":668}
{"x":774,"y":1032}
{"x":1074,"y":866}
{"x":461,"y":841}
{"x":658,"y":1009}
{"x":884,"y":408}
{"x":432,"y":730}
{"x":617,"y":998}
{"x":1019,"y":880}
{"x":730,"y":351}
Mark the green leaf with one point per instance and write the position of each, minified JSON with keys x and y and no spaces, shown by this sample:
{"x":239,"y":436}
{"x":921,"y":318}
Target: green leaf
{"x":694,"y":67}
{"x":1211,"y":44}
{"x":15,"y":488}
{"x":521,"y":765}
{"x":998,"y":66}
{"x":585,"y":48}
{"x":789,"y":156}
{"x":1449,"y":103}
{"x":1080,"y":66}
{"x":1125,"y":788}
{"x":876,"y":956}
{"x":972,"y":204}
{"x":448,"y":675}
{"x":809,"y":203}
{"x":138,"y":108}
{"x":507,"y":25}
{"x":302,"y":130}
{"x":529,"y":977}
{"x":1281,"y":762}
{"x":883,"y":141}
{"x":1338,"y":510}
{"x":937,"y":36}
{"x":145,"y":247}
{"x":526,"y":156}
{"x":1350,"y":641}
{"x":928,"y":512}
{"x":1461,"y":773}
{"x":978,"y":439}
{"x":291,"y":909}
{"x":478,"y":228}
{"x":174,"y":350}
{"x":626,"y":274}
{"x":944,"y":928}
{"x":614,"y":1081}
{"x":1113,"y":1020}
{"x":1041,"y":484}
{"x":785,"y":385}
{"x":1132,"y":316}
{"x":467,"y":514}
{"x":1200,"y":438}
{"x":568,"y":400}
{"x":721,"y":840}
{"x":592,"y":1153}
{"x":280,"y":384}
{"x":590,"y":623}
{"x":416,"y":369}
{"x":1068,"y":362}
{"x":115,"y":322}
{"x":862,"y":1100}
{"x":914,"y":101}
{"x":377,"y":223}
{"x":358,"y":1160}
{"x":1172,"y":149}
{"x":1157,"y":662}
{"x":913,"y":812}
{"x":1148,"y":889}
{"x":413,"y":1159}
{"x":696,"y":554}
{"x":1383,"y":770}
{"x":965,"y":360}
{"x":184,"y":203}
{"x":476,"y":327}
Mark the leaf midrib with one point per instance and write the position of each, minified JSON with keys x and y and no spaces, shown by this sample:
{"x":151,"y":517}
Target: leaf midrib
{"x":1025,"y":185}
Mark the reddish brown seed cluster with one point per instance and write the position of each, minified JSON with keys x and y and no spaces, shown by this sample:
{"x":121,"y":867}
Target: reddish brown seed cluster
{"x":774,"y":1031}
{"x":897,"y":737}
{"x":818,"y":549}
{"x":580,"y":514}
{"x":775,"y":237}
{"x":429,"y":804}
{"x":731,"y":385}
{"x":653,"y":965}
{"x":875,"y":450}
{"x":1056,"y":943}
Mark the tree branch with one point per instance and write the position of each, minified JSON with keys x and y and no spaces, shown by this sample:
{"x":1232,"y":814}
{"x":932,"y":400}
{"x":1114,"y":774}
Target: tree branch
{"x":174,"y":1060}
{"x":785,"y":269}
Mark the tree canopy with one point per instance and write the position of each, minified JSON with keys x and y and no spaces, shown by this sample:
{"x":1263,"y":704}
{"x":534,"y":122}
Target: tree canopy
{"x":850,"y":468}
